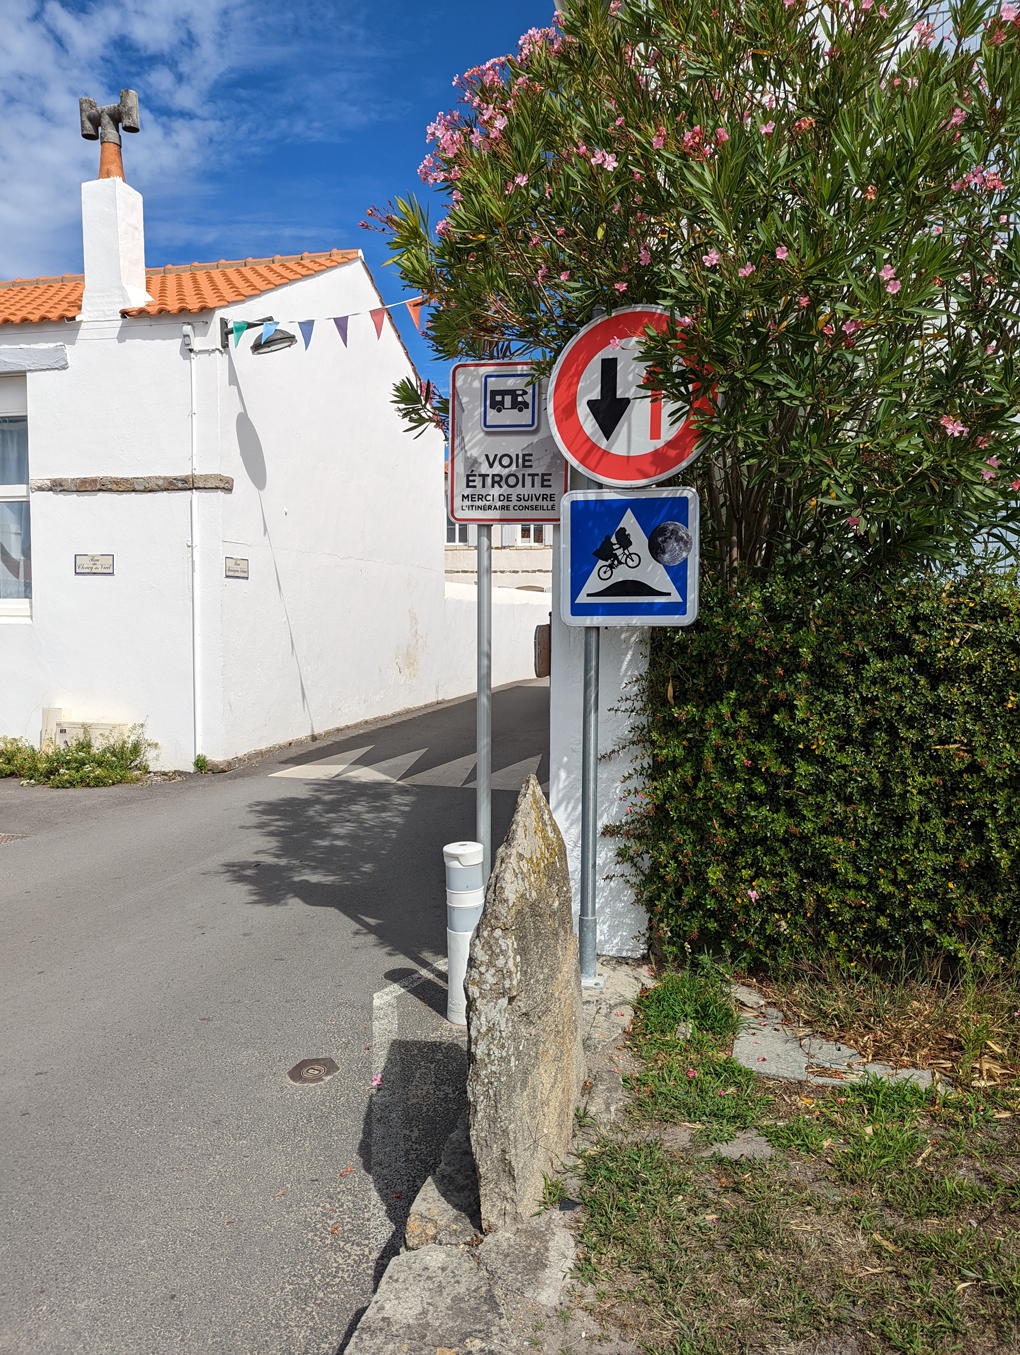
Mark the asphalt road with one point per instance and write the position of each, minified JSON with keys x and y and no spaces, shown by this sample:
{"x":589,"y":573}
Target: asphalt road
{"x":168,"y":952}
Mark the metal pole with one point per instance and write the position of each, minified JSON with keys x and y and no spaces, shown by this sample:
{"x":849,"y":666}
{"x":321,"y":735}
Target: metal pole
{"x":587,"y":925}
{"x":483,"y":735}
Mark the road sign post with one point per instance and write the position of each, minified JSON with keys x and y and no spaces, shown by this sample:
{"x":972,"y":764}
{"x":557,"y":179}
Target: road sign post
{"x":505,"y":466}
{"x":625,"y":561}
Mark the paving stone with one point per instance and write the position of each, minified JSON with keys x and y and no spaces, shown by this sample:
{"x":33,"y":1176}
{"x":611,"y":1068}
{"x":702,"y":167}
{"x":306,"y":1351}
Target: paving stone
{"x":530,"y":1262}
{"x":747,"y":997}
{"x":433,"y":1299}
{"x":446,"y":1209}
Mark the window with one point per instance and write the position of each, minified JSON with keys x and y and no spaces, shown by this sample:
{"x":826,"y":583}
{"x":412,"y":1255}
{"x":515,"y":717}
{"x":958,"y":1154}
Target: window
{"x":456,"y":533}
{"x":15,"y":529}
{"x":532,"y":533}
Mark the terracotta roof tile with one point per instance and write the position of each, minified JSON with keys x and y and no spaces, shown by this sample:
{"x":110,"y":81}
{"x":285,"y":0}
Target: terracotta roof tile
{"x":176,"y":289}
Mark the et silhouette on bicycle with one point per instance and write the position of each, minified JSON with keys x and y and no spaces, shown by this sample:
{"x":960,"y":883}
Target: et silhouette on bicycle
{"x":616,"y":551}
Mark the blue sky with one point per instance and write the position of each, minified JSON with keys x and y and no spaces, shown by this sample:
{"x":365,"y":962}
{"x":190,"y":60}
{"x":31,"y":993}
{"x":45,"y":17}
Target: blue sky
{"x":267,"y":128}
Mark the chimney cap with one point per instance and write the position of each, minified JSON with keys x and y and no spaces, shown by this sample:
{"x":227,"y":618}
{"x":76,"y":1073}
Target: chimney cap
{"x":104,"y":124}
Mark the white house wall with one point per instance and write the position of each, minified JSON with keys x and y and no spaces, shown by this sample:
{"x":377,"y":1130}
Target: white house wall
{"x":340,"y":513}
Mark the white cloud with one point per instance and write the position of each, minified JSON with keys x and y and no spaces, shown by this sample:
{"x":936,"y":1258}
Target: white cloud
{"x":218,"y":81}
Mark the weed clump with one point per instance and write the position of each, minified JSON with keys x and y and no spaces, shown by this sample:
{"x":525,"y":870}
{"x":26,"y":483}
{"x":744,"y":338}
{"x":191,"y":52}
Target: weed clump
{"x":82,"y":763}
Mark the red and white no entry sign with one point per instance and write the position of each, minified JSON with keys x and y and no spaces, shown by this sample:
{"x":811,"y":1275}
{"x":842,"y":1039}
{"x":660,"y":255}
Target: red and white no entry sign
{"x":600,"y":412}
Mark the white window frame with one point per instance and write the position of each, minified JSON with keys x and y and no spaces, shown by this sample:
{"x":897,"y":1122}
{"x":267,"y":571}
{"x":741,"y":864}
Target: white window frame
{"x":14,"y":607}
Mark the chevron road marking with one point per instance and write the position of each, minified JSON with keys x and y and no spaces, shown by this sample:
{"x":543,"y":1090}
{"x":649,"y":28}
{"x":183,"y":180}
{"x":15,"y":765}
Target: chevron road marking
{"x":447,"y":774}
{"x":325,"y":769}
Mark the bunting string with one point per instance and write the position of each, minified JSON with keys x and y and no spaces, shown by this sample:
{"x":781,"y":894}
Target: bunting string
{"x":306,"y":327}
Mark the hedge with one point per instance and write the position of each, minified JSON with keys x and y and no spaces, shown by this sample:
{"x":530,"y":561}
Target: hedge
{"x":832,"y":775}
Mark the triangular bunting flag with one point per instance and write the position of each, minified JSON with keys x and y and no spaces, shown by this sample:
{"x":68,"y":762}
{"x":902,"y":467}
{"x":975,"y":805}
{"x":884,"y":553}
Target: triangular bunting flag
{"x":414,"y":311}
{"x":341,"y":326}
{"x":239,"y":327}
{"x":378,"y":316}
{"x":268,"y":329}
{"x":306,"y":327}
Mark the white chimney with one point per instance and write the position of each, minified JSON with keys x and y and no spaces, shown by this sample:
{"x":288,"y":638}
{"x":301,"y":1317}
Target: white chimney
{"x":114,"y":239}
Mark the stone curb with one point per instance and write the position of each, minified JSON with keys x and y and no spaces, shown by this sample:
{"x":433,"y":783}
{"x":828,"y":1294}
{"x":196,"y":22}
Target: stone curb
{"x":451,"y":1291}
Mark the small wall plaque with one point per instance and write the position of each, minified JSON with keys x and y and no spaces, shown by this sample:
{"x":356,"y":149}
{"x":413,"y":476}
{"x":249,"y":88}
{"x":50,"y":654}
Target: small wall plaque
{"x":93,"y":564}
{"x":234,"y":567}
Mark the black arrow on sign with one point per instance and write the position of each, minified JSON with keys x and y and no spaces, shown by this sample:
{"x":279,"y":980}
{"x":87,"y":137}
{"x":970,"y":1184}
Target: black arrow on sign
{"x":609,"y":408}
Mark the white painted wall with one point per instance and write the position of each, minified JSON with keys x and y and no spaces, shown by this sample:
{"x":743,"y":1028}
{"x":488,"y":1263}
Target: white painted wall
{"x":623,"y":656}
{"x":345,"y":615}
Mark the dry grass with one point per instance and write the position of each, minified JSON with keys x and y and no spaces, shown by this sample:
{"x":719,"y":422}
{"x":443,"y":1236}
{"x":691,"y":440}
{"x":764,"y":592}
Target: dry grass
{"x":964,"y":1025}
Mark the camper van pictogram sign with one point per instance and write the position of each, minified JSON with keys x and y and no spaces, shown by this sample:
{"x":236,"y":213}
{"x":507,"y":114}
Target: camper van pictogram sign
{"x":609,"y":423}
{"x":505,"y":465}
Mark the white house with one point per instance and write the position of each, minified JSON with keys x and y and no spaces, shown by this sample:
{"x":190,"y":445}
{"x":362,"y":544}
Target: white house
{"x":236,"y":547}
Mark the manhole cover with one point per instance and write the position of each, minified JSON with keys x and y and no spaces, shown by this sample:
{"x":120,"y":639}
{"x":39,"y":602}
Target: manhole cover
{"x":312,"y":1070}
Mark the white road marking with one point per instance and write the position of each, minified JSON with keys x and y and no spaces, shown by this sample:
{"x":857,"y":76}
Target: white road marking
{"x":513,"y":778}
{"x":326,"y":767}
{"x":390,"y":770}
{"x":388,"y":1175}
{"x":447,"y":774}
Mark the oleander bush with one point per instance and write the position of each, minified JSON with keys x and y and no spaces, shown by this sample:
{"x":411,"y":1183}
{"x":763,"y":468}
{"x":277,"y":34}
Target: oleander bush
{"x":81,"y":763}
{"x":833,"y":773}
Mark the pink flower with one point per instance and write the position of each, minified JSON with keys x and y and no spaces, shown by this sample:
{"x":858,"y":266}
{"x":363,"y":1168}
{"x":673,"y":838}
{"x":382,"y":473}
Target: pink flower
{"x":1015,"y":484}
{"x":853,"y":521}
{"x":993,"y":461}
{"x":565,"y":275}
{"x":639,"y":178}
{"x":988,"y":475}
{"x":983,"y":441}
{"x":762,"y":1058}
{"x":721,"y":135}
{"x":692,"y":1072}
{"x":887,"y":272}
{"x":1008,"y":13}
{"x":803,"y":302}
{"x":867,"y":4}
{"x":620,"y":286}
{"x":753,"y":895}
{"x":828,"y":329}
{"x":851,"y":326}
{"x":645,"y":255}
{"x":377,"y":1080}
{"x":614,"y":342}
{"x":748,"y":762}
{"x":893,"y":287}
{"x":659,"y":140}
{"x":925,"y":32}
{"x":954,"y":427}
{"x":767,"y":128}
{"x":685,"y":322}
{"x":883,"y":11}
{"x":520,"y":179}
{"x":782,"y":252}
{"x":711,"y":258}
{"x":958,"y":116}
{"x":990,"y":348}
{"x":605,"y":159}
{"x":746,"y":271}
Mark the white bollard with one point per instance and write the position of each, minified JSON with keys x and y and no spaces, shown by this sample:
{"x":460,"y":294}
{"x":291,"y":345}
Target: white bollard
{"x":465,"y":895}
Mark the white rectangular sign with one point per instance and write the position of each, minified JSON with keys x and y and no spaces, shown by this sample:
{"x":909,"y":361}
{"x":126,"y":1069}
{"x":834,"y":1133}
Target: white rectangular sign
{"x":93,"y":564}
{"x":505,"y":465}
{"x":235,"y":567}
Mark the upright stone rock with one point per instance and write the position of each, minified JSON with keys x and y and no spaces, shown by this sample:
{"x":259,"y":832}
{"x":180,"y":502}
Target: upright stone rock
{"x":526,"y":1064}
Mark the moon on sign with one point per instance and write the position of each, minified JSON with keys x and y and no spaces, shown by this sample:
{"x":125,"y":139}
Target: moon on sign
{"x":670,"y":543}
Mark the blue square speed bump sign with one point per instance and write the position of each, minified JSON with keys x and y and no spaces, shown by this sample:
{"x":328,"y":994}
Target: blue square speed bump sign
{"x":629,"y":557}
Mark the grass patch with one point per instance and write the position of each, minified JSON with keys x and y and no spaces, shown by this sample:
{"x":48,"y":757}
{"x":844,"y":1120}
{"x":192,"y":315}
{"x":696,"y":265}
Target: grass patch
{"x":886,"y":1220}
{"x":81,"y":763}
